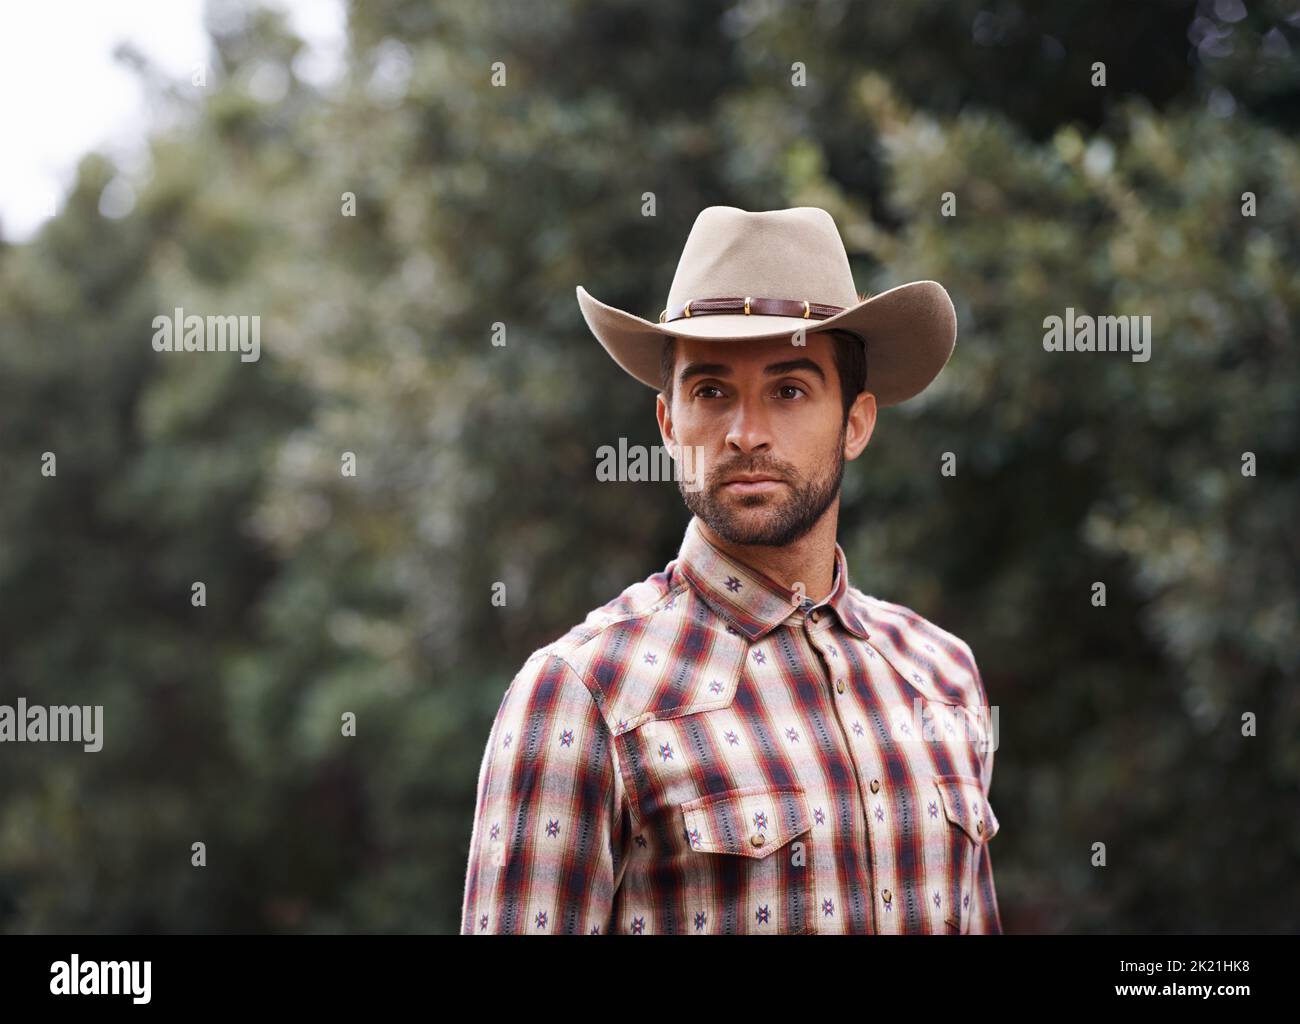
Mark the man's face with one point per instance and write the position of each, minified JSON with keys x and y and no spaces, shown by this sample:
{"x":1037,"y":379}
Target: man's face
{"x":766,"y":421}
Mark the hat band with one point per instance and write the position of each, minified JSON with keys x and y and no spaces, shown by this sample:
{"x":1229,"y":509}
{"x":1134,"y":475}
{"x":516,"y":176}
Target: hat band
{"x":751,"y":306}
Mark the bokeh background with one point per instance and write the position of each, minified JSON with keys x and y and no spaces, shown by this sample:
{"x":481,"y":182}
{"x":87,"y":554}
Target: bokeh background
{"x":479,"y":205}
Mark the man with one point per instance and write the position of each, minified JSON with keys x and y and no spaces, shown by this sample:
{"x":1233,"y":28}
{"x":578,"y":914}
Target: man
{"x":714,"y":751}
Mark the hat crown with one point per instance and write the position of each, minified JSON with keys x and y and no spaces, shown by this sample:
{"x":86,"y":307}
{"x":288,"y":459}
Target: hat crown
{"x":777,"y":254}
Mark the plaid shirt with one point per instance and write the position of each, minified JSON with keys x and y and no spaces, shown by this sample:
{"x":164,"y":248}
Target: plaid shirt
{"x":704,"y":754}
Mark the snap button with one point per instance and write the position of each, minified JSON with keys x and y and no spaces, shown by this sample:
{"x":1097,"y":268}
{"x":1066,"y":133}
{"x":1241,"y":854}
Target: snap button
{"x":875,"y":785}
{"x":758,"y":839}
{"x":839,"y":686}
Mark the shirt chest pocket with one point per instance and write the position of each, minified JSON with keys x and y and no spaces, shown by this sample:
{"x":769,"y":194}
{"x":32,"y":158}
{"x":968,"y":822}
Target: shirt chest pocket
{"x":749,"y":865}
{"x":970,"y":823}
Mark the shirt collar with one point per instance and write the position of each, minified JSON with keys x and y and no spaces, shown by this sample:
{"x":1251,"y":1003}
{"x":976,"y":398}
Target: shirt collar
{"x":751,"y":601}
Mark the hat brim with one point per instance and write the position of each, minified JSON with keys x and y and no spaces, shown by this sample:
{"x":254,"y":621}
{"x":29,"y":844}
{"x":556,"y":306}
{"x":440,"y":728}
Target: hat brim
{"x":910,"y":332}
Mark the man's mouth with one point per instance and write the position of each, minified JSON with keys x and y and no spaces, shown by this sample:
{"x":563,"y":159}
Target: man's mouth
{"x":752,"y":483}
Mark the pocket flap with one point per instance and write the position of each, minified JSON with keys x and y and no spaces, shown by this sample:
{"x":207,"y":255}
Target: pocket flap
{"x":749,"y":822}
{"x":965,"y":805}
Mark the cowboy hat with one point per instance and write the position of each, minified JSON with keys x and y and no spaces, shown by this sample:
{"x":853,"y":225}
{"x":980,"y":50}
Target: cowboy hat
{"x":748,"y":276}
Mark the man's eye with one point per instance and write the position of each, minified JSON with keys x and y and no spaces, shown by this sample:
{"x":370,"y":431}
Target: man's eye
{"x":699,"y":392}
{"x":791,"y":387}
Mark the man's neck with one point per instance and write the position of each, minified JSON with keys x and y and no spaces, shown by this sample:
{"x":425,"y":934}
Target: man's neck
{"x":810,"y":560}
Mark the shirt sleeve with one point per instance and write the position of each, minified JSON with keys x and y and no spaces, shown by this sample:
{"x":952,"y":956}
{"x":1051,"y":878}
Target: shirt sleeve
{"x":985,"y":918}
{"x":548,"y":840}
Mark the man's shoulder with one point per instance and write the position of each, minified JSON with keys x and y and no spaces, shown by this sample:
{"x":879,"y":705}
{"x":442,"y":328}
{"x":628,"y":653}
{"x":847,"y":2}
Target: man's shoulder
{"x":653,"y":652}
{"x":641,"y":600}
{"x":890,"y":615}
{"x":910,"y":634}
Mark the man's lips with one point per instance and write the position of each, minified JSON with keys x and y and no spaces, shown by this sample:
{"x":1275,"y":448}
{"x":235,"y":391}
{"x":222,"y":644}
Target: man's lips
{"x":752,"y":484}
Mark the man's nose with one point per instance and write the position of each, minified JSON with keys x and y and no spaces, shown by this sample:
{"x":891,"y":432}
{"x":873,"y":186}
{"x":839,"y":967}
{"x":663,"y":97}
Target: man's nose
{"x":749,"y":430}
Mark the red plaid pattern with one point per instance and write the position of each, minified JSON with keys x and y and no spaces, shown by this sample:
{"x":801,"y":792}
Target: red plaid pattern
{"x":704,"y":754}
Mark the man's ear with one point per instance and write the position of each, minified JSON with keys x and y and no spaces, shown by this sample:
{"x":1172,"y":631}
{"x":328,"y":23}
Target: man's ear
{"x":664,"y":414}
{"x":860,"y":425}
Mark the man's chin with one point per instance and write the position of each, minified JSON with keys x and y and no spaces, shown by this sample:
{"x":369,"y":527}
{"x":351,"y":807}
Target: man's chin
{"x":750,"y":520}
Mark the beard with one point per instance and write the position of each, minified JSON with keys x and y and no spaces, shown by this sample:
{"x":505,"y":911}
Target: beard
{"x":766,"y":520}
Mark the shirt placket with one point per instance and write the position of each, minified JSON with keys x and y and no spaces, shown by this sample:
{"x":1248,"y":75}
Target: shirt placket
{"x":818,"y":627}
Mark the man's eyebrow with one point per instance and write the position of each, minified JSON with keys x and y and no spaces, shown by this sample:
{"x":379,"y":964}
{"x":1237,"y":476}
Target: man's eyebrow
{"x":772,"y":369}
{"x":702,"y":370}
{"x":790,"y":365}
